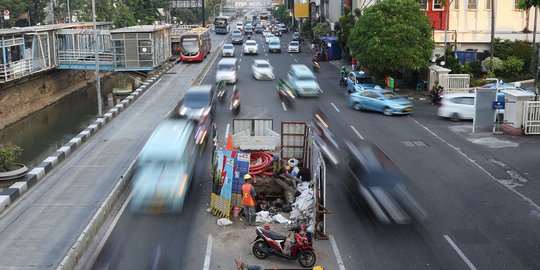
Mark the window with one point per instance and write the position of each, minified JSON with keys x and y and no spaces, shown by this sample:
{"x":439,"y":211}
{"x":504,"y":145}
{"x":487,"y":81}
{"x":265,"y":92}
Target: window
{"x":488,"y":4}
{"x":456,"y":4}
{"x":437,"y":5}
{"x":423,"y":4}
{"x":471,"y":4}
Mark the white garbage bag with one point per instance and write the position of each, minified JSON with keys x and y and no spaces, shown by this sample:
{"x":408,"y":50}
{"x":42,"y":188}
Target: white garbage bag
{"x":224,"y":222}
{"x":263,"y":217}
{"x":280,"y":219}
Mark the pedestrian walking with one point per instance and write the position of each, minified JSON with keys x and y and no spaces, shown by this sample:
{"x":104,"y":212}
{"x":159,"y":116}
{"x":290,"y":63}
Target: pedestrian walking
{"x":248,"y":199}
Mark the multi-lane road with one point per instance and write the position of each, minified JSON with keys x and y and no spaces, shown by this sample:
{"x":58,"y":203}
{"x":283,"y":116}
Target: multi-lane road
{"x":480,"y":191}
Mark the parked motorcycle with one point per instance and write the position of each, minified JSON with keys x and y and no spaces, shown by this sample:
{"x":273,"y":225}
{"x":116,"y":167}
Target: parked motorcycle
{"x":269,"y":243}
{"x":235,"y":101}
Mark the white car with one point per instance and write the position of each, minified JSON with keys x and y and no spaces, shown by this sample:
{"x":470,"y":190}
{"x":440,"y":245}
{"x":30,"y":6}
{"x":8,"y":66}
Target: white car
{"x":267,"y":39}
{"x":240,"y":26}
{"x":251,"y":47}
{"x":457,"y":106}
{"x":227,"y":70}
{"x":227,"y":50}
{"x":262,"y":70}
{"x":266,"y":32}
{"x":294,"y":46}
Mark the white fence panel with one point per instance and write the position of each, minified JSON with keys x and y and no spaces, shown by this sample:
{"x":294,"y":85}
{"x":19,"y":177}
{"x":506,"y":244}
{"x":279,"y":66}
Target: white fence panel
{"x":531,"y":117}
{"x":455,"y":82}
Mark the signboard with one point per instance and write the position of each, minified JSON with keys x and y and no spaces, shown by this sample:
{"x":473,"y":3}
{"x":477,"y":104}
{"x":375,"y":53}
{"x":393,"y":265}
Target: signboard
{"x":228,"y":179}
{"x":301,"y":10}
{"x":186,"y":3}
{"x":6,"y":14}
{"x":498,"y":105}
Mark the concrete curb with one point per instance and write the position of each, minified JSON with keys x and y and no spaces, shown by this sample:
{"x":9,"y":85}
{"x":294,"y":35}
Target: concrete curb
{"x":9,"y":195}
{"x":86,"y":238}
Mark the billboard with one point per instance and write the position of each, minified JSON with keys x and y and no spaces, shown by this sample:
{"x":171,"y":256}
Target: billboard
{"x":301,"y":10}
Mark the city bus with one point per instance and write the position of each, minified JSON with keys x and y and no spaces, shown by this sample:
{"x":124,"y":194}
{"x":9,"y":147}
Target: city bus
{"x":195,"y":45}
{"x":221,"y":24}
{"x":164,"y":169}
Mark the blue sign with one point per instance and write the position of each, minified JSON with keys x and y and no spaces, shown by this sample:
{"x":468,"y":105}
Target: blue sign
{"x":498,"y":105}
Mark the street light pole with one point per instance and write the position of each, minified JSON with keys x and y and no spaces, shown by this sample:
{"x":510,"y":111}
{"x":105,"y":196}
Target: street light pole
{"x":69,"y":12}
{"x":96,"y":44}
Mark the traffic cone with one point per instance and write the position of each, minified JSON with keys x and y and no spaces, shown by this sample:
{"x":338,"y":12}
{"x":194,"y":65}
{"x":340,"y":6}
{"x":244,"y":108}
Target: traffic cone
{"x":229,"y":143}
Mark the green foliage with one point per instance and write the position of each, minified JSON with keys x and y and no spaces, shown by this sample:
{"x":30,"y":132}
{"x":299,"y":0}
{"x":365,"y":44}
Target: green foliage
{"x":185,"y":15}
{"x":474,"y":68}
{"x":357,"y":12}
{"x":321,"y":29}
{"x":307,"y":30}
{"x":19,"y":10}
{"x":512,"y":67}
{"x":8,"y":154}
{"x":392,"y":36}
{"x":282,"y":14}
{"x":343,"y":29}
{"x":492,"y":64}
{"x":507,"y":48}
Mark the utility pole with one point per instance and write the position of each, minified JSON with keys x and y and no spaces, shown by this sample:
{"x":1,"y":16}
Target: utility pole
{"x":96,"y":44}
{"x":69,"y":12}
{"x":447,"y":7}
{"x":203,"y":19}
{"x":492,"y":34}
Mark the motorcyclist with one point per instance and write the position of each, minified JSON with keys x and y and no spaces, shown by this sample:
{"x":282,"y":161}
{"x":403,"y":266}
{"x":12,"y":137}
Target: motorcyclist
{"x":343,"y":71}
{"x":315,"y":61}
{"x":435,"y":93}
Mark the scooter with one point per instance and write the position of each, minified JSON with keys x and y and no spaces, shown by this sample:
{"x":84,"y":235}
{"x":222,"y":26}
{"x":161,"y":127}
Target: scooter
{"x":235,"y":101}
{"x":284,"y":92}
{"x":221,"y":90}
{"x":269,"y":243}
{"x":316,"y":66}
{"x":343,"y":80}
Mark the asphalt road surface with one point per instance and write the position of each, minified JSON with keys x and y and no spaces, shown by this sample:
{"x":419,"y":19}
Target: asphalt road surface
{"x":476,"y":218}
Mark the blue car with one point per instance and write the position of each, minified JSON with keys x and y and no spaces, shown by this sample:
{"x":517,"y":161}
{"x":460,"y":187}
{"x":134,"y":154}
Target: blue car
{"x":359,"y":81}
{"x":383,"y":101}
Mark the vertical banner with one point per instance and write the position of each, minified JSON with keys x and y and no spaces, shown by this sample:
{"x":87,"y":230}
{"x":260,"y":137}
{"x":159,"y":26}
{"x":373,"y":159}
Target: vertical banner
{"x":228,"y":171}
{"x":241,"y":165}
{"x":218,"y":171}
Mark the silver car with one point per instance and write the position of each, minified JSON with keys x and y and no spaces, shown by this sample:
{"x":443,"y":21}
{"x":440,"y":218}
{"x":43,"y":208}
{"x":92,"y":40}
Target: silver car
{"x":294,"y":46}
{"x":227,"y":50}
{"x":262,"y":70}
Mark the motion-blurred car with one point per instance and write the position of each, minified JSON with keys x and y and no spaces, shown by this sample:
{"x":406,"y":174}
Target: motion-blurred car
{"x":378,"y":181}
{"x":198,"y":101}
{"x":294,"y":46}
{"x":227,"y":70}
{"x":359,"y":81}
{"x":251,"y":47}
{"x":248,"y":29}
{"x":227,"y":50}
{"x":457,"y":106}
{"x":296,"y":36}
{"x":303,"y":81}
{"x":274,"y":45}
{"x":261,"y":69}
{"x":236,"y":31}
{"x":276,"y":33}
{"x":237,"y":38}
{"x":266,"y":32}
{"x":283,"y":28}
{"x":267,"y":38}
{"x":383,"y":101}
{"x":258,"y":28}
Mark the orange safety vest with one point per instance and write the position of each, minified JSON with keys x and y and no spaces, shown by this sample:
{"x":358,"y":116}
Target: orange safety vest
{"x":247,"y":200}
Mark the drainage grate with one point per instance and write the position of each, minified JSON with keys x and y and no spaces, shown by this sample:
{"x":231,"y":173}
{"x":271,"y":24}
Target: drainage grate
{"x":414,"y":143}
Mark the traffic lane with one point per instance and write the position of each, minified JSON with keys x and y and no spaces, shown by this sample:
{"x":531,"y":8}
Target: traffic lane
{"x":443,"y":176}
{"x":510,"y":159}
{"x":135,"y":237}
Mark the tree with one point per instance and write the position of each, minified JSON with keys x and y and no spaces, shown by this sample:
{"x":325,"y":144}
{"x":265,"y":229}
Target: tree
{"x":343,"y":28}
{"x":527,"y":5}
{"x":281,"y":14}
{"x":319,"y":30}
{"x":392,"y":36}
{"x":22,"y":10}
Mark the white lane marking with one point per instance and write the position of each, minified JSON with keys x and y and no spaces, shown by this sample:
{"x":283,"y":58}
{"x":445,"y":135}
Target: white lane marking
{"x":459,"y":252}
{"x":500,"y":181}
{"x":284,"y":107}
{"x":290,"y":54}
{"x":240,"y":60}
{"x":266,"y":54}
{"x":336,"y":253}
{"x":357,"y":133}
{"x":333,"y":105}
{"x":227,"y":131}
{"x":295,"y":60}
{"x":208,"y":252}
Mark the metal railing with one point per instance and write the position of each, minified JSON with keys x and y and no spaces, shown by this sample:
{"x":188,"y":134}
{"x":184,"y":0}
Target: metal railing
{"x":15,"y":70}
{"x":86,"y":58}
{"x":455,"y":82}
{"x":531,"y":117}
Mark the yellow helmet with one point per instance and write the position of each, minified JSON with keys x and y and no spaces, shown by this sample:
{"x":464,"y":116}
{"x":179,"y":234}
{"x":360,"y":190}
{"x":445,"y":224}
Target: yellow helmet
{"x":318,"y":268}
{"x":247,"y":176}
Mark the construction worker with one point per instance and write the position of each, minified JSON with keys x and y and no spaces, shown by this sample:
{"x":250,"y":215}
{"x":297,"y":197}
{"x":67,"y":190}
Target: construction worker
{"x":248,"y":199}
{"x":277,"y":166}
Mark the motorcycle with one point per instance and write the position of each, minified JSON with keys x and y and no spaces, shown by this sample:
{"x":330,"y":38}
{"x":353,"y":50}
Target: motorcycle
{"x":249,"y":36}
{"x":284,"y":92}
{"x":343,"y":80}
{"x":269,"y":243}
{"x":316,"y":66}
{"x":221,"y":90}
{"x":235,"y":101}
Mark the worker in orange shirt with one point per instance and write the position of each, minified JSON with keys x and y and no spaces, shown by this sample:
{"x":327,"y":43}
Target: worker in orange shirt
{"x":248,"y":199}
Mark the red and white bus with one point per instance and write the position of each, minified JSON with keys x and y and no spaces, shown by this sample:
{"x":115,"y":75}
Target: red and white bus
{"x":195,"y":45}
